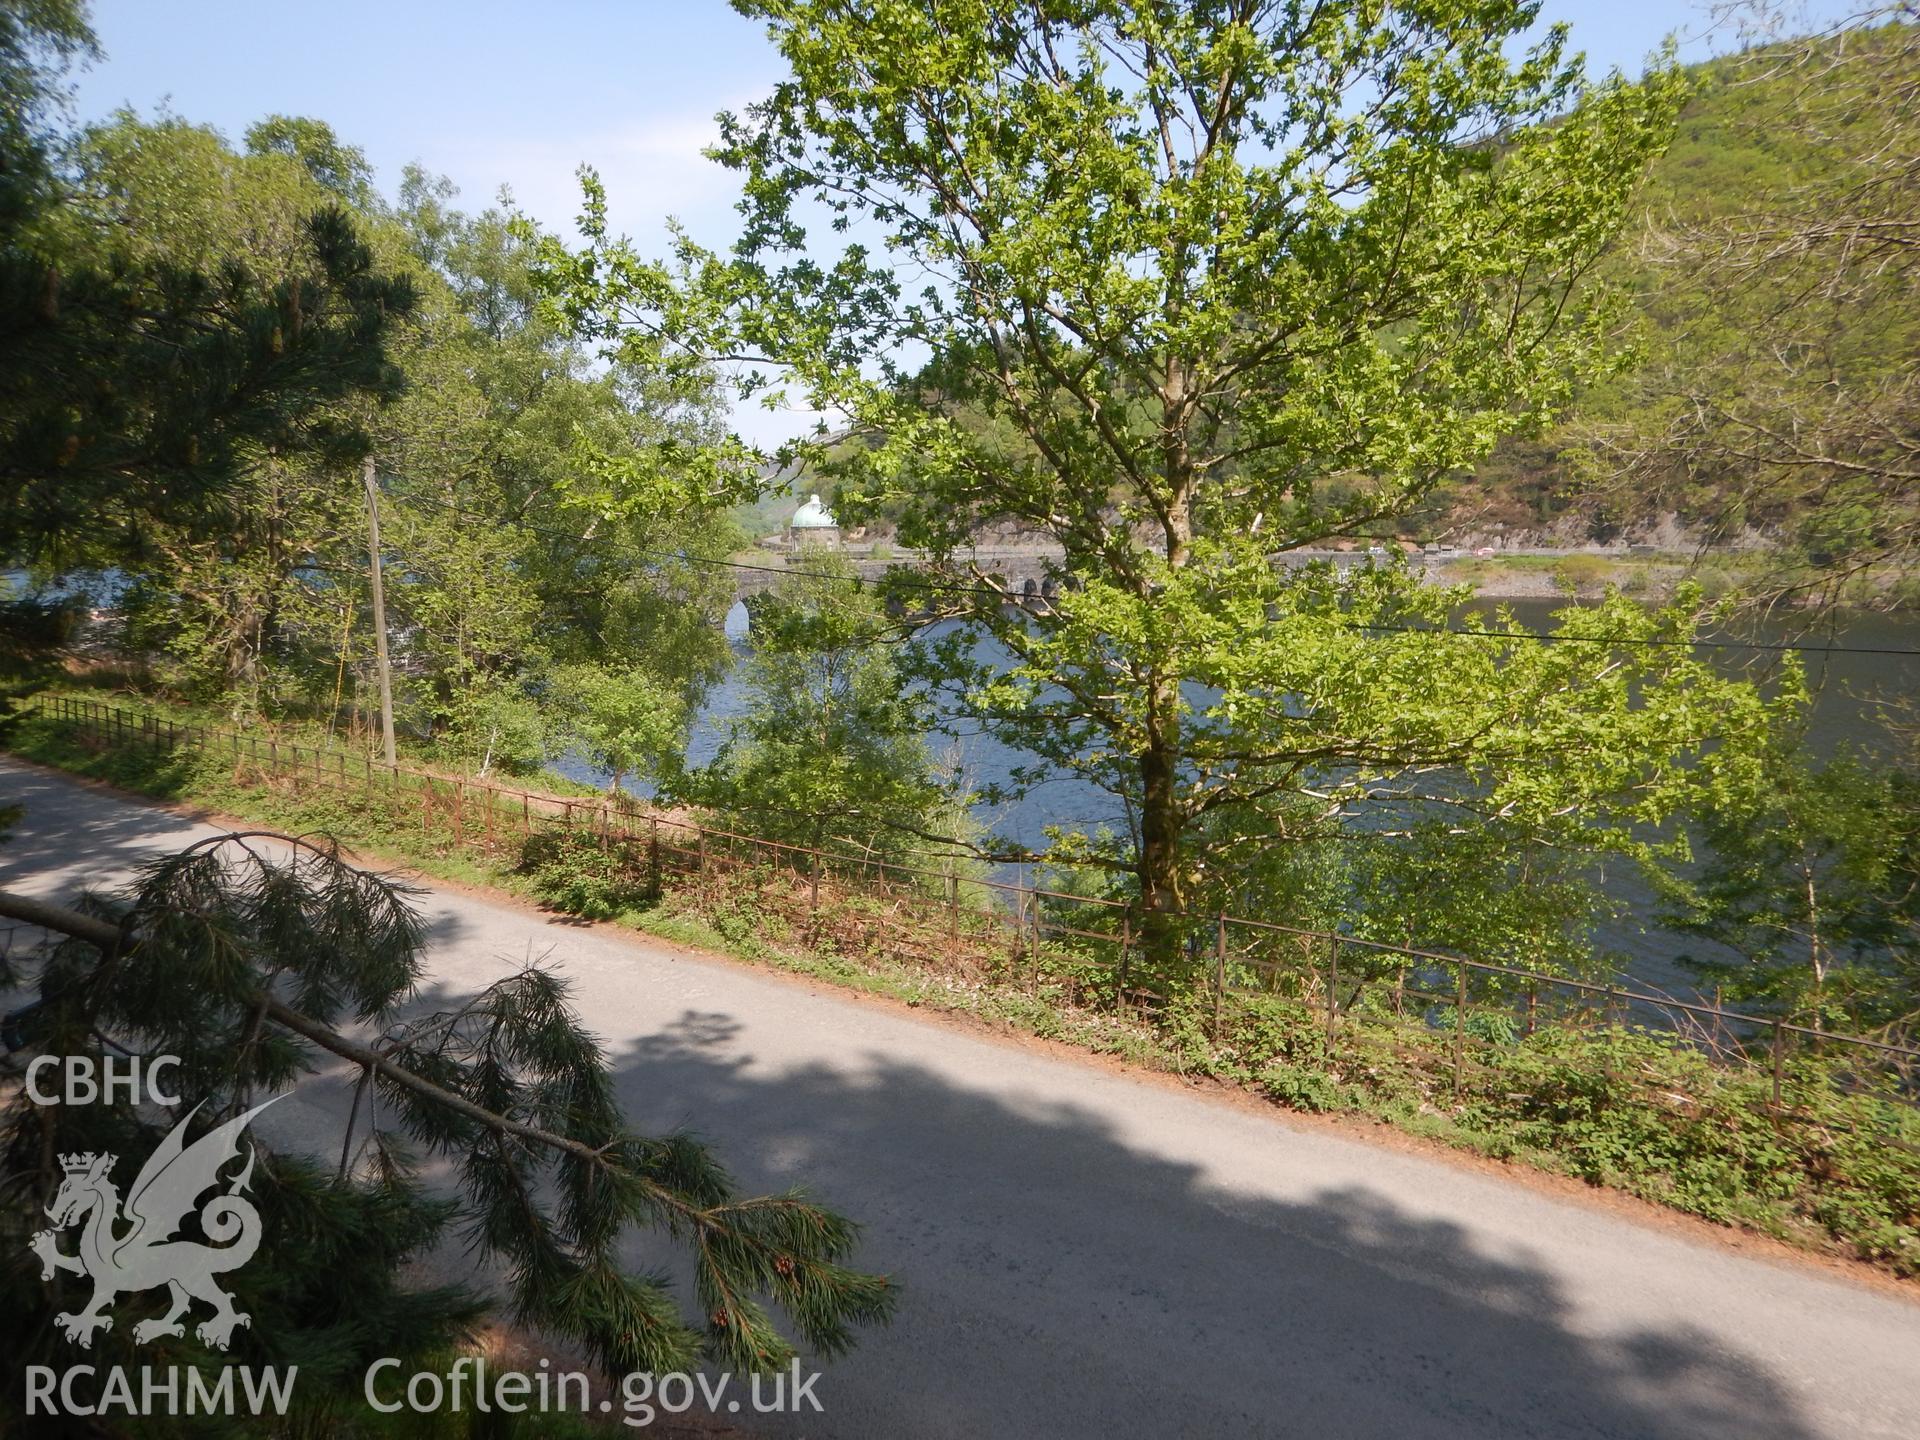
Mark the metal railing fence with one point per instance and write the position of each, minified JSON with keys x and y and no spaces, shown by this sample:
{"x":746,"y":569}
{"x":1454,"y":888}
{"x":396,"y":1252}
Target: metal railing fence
{"x":1229,"y":955}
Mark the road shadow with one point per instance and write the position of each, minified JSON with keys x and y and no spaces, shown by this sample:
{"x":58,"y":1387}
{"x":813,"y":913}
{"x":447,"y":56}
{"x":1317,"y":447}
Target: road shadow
{"x":72,"y":833}
{"x":1060,"y":1283}
{"x":73,"y":837}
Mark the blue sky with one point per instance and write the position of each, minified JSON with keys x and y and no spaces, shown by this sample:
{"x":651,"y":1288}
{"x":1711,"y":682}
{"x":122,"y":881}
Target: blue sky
{"x":491,"y":93}
{"x":521,"y":94}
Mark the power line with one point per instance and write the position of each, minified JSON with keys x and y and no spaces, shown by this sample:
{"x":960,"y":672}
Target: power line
{"x":991,"y":592}
{"x":1775,"y":646}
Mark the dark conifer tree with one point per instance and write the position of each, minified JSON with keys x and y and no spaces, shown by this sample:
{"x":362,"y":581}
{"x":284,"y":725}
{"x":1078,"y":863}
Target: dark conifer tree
{"x":251,"y":956}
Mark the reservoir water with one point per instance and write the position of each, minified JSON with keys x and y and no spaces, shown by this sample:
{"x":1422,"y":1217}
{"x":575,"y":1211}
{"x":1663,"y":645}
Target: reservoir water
{"x":1850,"y":710}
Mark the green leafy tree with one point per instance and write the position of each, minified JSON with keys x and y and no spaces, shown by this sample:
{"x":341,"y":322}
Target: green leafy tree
{"x":624,"y":722}
{"x":498,"y":571}
{"x":1191,"y":304}
{"x":831,"y":748}
{"x":520,"y":555}
{"x":333,"y":164}
{"x":230,"y":583}
{"x":1491,"y":891}
{"x":1808,"y":890}
{"x":39,"y":42}
{"x":501,"y":721}
{"x":245,"y":956}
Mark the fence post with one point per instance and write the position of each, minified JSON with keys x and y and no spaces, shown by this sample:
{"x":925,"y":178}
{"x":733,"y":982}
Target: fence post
{"x":953,"y":911}
{"x":1779,"y":1060}
{"x":815,"y":880}
{"x":1459,"y":1028}
{"x":1219,"y":969}
{"x":1126,"y":956}
{"x":1609,"y":1071}
{"x":1333,"y":992}
{"x":653,"y":854}
{"x":1033,"y":915}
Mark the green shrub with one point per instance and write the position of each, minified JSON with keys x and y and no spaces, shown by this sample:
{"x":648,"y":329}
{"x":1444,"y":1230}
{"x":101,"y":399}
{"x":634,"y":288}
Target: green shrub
{"x":584,"y":875}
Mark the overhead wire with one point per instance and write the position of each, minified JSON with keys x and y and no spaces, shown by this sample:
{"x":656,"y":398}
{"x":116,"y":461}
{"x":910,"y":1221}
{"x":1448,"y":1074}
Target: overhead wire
{"x":995,"y":593}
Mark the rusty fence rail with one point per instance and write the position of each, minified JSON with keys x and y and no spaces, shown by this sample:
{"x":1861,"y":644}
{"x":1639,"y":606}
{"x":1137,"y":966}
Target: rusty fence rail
{"x":1236,"y":954}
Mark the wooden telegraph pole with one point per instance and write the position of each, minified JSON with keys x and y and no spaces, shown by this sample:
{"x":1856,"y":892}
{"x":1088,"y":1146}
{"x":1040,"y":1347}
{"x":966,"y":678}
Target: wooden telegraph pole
{"x":379,"y":612}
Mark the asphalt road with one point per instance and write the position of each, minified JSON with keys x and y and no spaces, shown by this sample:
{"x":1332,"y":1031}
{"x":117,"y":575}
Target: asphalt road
{"x":1087,"y":1254}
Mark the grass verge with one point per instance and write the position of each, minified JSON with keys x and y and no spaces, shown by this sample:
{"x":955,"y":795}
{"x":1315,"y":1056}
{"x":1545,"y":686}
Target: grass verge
{"x":1604,"y":1103}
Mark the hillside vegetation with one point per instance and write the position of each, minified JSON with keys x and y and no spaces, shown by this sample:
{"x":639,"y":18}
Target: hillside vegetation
{"x":1773,"y":344}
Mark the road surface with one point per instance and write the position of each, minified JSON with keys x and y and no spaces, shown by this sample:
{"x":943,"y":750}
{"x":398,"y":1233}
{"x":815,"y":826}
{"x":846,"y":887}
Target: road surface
{"x":1090,"y":1254}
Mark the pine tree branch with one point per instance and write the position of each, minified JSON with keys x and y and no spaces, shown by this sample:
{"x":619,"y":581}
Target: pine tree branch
{"x":779,"y":1246}
{"x":108,"y":938}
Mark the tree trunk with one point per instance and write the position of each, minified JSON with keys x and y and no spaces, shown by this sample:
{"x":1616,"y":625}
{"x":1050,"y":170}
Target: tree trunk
{"x":1159,"y":871}
{"x":1159,"y":859}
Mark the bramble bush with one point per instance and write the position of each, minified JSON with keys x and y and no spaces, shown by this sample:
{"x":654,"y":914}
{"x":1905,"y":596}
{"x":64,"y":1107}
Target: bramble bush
{"x":1610,"y":1105}
{"x":585,"y":876}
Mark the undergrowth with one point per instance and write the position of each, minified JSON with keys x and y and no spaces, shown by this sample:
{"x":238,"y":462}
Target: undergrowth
{"x":1608,"y":1105}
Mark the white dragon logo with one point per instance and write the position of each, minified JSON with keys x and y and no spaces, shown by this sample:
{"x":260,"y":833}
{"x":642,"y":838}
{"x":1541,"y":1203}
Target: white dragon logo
{"x":145,"y":1256}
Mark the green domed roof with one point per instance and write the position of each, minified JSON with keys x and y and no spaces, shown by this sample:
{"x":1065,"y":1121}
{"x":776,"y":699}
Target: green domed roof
{"x":814,"y":516}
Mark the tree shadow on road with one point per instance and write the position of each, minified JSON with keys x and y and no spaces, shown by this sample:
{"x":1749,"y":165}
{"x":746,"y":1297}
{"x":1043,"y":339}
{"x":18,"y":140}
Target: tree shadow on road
{"x":74,"y":832}
{"x":74,"y":838}
{"x":1059,"y":1282}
